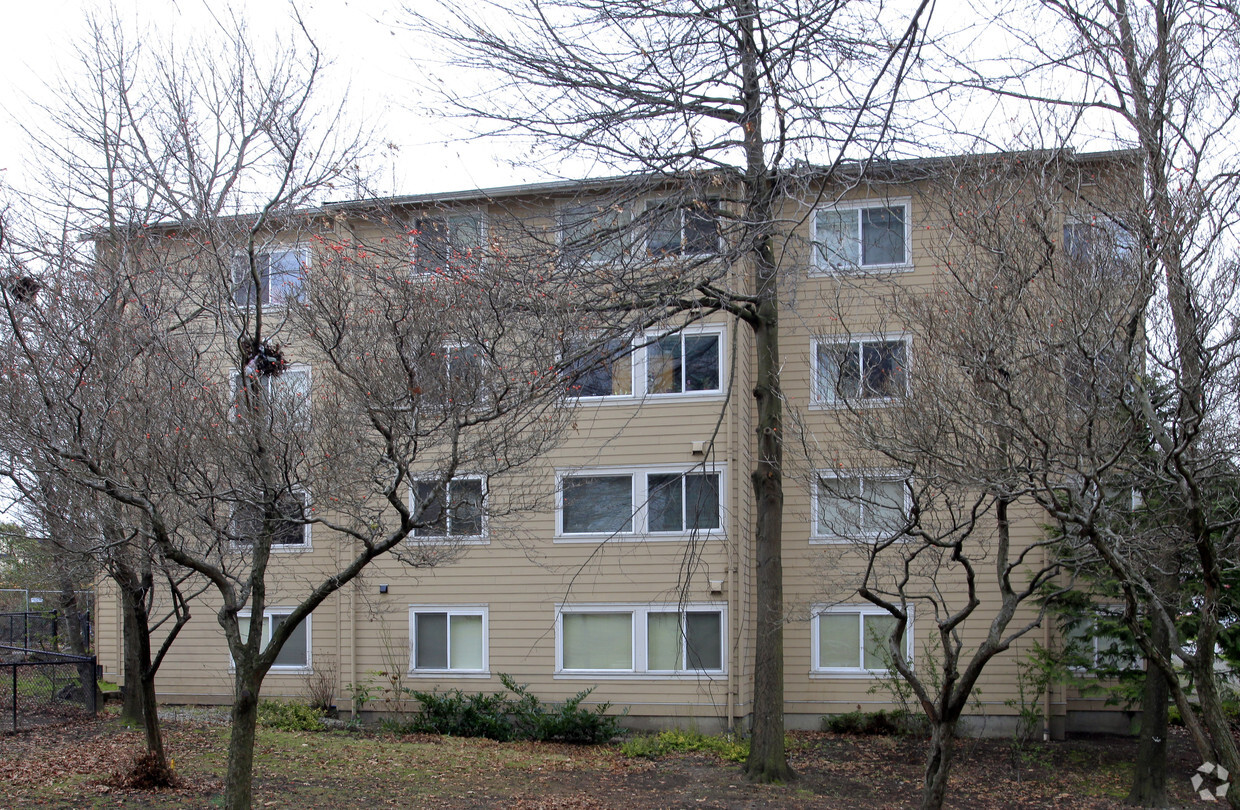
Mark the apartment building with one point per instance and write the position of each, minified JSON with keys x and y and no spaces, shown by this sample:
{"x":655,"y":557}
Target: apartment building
{"x":621,"y":559}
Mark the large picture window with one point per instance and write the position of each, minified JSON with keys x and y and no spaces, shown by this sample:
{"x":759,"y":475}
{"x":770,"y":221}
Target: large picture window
{"x":851,"y":237}
{"x":649,"y":639}
{"x":645,"y":502}
{"x":684,"y":363}
{"x":284,"y":398}
{"x":853,"y":639}
{"x":592,"y":235}
{"x":448,"y":639}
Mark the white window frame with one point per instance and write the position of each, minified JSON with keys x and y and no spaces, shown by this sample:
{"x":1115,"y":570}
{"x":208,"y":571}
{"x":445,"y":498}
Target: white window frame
{"x":821,"y":398}
{"x":639,"y":639}
{"x":820,"y":263}
{"x":682,"y":207}
{"x":569,"y":217}
{"x":416,"y":269}
{"x":241,"y":267}
{"x":818,"y":536}
{"x":639,"y":488}
{"x":480,"y":609}
{"x":860,"y":611}
{"x":278,"y":669}
{"x":640,"y":354}
{"x":461,"y":539}
{"x":283,"y":548}
{"x":269,"y":380}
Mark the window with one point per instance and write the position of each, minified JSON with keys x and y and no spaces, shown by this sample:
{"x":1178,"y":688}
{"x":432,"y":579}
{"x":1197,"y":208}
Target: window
{"x":624,"y":639}
{"x":448,"y":638}
{"x":853,"y":639}
{"x":859,"y":506}
{"x":290,"y":527}
{"x":861,"y":237}
{"x":1099,"y":642}
{"x":463,"y":519}
{"x":591,"y":234}
{"x":1103,"y":247}
{"x":668,"y":502}
{"x":860,"y":371}
{"x":685,"y":363}
{"x":604,"y":371}
{"x":445,"y":243}
{"x":682,"y":230}
{"x":281,"y":274}
{"x":284,"y":396}
{"x":295,"y":654}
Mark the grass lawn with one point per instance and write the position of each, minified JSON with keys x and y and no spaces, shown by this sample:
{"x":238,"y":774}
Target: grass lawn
{"x":72,"y":765}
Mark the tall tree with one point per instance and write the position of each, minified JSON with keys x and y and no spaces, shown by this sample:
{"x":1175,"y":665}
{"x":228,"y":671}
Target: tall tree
{"x":717,"y":106}
{"x":1163,"y":76}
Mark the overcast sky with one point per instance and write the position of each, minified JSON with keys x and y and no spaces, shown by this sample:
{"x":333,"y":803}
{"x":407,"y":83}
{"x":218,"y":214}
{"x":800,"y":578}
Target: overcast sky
{"x":369,"y":50}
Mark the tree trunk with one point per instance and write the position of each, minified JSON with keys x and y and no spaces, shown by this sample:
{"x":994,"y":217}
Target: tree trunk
{"x":1149,"y":778}
{"x":140,"y":706}
{"x":131,"y":707}
{"x":767,"y":760}
{"x":79,"y":643}
{"x":938,"y":765}
{"x":1215,"y":720}
{"x":239,"y":782}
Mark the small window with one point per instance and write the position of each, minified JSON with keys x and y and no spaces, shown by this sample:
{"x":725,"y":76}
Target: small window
{"x":289,"y":522}
{"x":285,"y":396}
{"x":1103,"y":248}
{"x":443,"y":244}
{"x":589,"y":234}
{"x":607,"y":371}
{"x":295,"y":654}
{"x":465,"y":516}
{"x":642,"y":639}
{"x":863,"y":371}
{"x":448,"y":639}
{"x":679,"y":502}
{"x":854,"y":639}
{"x":597,"y":504}
{"x":1100,"y":642}
{"x":683,"y":363}
{"x":682,"y":230}
{"x":281,"y":275}
{"x":859,"y":507}
{"x":863,"y":237}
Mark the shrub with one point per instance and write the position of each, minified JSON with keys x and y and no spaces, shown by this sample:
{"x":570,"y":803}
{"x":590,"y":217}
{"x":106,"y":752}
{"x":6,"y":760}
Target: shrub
{"x":289,"y":716}
{"x":520,"y":717}
{"x":881,"y":722}
{"x":665,"y":742}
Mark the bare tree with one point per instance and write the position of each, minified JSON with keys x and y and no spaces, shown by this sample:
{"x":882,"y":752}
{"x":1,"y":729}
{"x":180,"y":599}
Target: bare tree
{"x":1163,"y":76}
{"x":166,"y":368}
{"x":744,"y":91}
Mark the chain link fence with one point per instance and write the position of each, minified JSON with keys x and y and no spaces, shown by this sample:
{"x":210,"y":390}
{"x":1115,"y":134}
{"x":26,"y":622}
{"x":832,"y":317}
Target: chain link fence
{"x":40,"y":687}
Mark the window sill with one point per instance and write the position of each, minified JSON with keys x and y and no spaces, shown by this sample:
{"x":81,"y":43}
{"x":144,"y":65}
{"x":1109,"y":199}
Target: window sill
{"x":629,"y":537}
{"x":448,"y":674}
{"x":858,"y":403}
{"x":817,"y":271}
{"x":619,"y":675}
{"x":448,"y":540}
{"x":849,"y":674}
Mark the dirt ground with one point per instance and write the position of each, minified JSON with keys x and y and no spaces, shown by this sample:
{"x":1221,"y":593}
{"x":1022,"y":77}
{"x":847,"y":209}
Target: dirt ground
{"x":74,"y":765}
